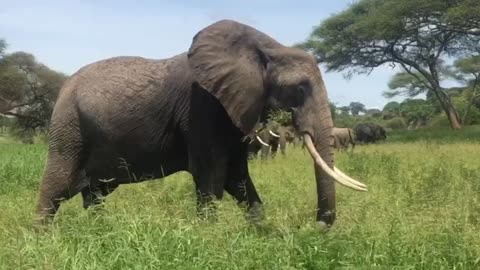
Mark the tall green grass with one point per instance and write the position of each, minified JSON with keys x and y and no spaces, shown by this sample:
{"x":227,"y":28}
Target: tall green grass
{"x":437,"y":135}
{"x":422,"y":211}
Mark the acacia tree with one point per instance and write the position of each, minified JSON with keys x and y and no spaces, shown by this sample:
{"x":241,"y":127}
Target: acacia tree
{"x":416,"y":35}
{"x":28,"y":89}
{"x":469,"y":72}
{"x":3,"y":45}
{"x":416,"y":111}
{"x":356,"y":108}
{"x":391,"y":110}
{"x":344,"y":109}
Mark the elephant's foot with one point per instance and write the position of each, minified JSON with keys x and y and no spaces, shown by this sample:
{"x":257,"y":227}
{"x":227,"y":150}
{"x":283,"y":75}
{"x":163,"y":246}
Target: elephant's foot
{"x":255,"y":213}
{"x":323,"y":226}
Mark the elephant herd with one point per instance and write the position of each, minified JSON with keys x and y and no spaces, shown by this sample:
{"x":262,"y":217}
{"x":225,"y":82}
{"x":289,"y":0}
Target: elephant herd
{"x":131,"y":119}
{"x":363,"y":133}
{"x":267,"y":138}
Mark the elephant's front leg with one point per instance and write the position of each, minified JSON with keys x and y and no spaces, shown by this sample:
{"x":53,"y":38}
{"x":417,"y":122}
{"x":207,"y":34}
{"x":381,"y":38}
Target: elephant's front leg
{"x":240,"y":185}
{"x":209,"y":172}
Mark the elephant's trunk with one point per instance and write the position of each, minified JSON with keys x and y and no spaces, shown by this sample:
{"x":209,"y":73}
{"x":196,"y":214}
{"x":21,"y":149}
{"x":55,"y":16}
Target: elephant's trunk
{"x":322,"y":154}
{"x":315,"y":121}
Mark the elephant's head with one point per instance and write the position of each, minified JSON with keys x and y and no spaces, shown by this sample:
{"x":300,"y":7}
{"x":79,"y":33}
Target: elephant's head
{"x":245,"y":70}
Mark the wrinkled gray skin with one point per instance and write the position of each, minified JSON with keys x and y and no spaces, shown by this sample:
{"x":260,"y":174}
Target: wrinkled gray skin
{"x":344,"y":137}
{"x":129,"y":119}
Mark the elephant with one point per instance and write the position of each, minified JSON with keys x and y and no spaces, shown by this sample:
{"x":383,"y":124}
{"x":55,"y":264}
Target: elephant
{"x":343,"y":138}
{"x":129,"y":119}
{"x":269,"y":138}
{"x":369,"y":132}
{"x":285,"y":136}
{"x":266,"y":141}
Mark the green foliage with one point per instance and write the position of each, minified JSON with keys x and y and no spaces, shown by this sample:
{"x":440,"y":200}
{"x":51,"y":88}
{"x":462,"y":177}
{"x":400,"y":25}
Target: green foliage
{"x":416,"y":110}
{"x":391,"y":110}
{"x":374,"y":112}
{"x":463,"y":102}
{"x":372,"y":32}
{"x":409,"y":219}
{"x":344,"y":109}
{"x":438,"y":132}
{"x":463,"y":17}
{"x":417,"y":35}
{"x":439,"y":121}
{"x":282,"y":117}
{"x":3,"y":46}
{"x":28,"y":90}
{"x":468,"y":65}
{"x":396,"y":123}
{"x":469,"y":72}
{"x":405,"y":84}
{"x":356,"y":108}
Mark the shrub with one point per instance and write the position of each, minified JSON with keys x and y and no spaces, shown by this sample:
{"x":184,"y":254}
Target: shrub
{"x":396,"y":123}
{"x":439,"y":120}
{"x":284,"y":118}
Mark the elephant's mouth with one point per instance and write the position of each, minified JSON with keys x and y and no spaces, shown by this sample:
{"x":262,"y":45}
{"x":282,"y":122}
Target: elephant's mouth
{"x":336,"y":173}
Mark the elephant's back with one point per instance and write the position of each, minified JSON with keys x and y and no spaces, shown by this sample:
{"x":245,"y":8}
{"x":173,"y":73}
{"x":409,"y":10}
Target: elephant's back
{"x":119,"y":84}
{"x":121,"y":96}
{"x":120,"y":78}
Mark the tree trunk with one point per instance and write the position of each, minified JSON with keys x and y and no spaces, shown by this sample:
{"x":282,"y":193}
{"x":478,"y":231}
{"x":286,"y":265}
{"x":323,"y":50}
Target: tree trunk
{"x":448,"y":108}
{"x":453,"y":117}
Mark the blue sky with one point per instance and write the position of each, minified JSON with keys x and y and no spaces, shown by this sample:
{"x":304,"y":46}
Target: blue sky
{"x":66,"y":35}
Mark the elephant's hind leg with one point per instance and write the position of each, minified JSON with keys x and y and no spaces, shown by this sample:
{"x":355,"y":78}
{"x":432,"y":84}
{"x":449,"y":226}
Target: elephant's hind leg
{"x":64,"y":176}
{"x":63,"y":179}
{"x":95,"y":193}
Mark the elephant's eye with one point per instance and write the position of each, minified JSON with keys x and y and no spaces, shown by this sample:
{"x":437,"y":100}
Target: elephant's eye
{"x":301,"y":93}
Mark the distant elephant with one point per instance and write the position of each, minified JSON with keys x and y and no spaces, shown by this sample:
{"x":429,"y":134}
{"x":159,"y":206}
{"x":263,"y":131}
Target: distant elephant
{"x":130,"y":119}
{"x":269,"y":139}
{"x":286,"y":135}
{"x":264,"y":140}
{"x":343,"y":138}
{"x":369,"y":132}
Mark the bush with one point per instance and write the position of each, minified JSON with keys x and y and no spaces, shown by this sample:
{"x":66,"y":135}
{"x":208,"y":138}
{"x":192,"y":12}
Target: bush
{"x":396,"y":123}
{"x":284,"y":118}
{"x":439,"y":120}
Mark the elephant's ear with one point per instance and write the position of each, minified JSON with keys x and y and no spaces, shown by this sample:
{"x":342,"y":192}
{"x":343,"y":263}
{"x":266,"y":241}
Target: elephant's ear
{"x":229,"y":59}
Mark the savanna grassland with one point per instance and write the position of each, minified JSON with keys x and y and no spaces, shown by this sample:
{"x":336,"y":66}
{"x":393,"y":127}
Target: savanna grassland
{"x":422,"y":211}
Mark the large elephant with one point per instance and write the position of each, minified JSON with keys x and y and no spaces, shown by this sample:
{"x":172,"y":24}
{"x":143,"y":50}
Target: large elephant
{"x":343,"y":138}
{"x":369,"y":132}
{"x":130,"y":119}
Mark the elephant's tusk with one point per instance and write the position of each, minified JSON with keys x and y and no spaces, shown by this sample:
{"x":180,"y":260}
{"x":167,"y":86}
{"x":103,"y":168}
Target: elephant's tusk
{"x":262,"y":142}
{"x":318,"y":159}
{"x":274,"y":134}
{"x":353,"y":181}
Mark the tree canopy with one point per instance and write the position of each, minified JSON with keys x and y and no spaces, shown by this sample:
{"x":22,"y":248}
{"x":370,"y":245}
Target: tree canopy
{"x":28,"y":89}
{"x":468,"y":71}
{"x":356,"y":108}
{"x":416,"y":35}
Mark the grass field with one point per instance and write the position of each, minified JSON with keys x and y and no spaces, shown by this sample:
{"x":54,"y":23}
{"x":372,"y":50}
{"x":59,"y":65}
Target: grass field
{"x":422,"y":211}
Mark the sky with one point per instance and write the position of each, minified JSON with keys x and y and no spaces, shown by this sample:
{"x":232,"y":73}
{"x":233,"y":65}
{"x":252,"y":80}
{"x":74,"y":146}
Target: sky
{"x":66,"y":35}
